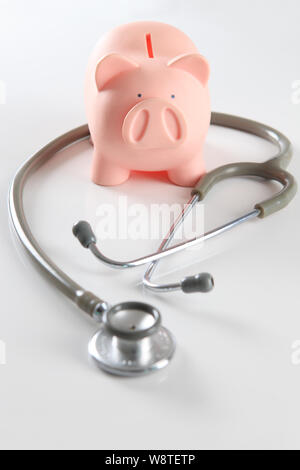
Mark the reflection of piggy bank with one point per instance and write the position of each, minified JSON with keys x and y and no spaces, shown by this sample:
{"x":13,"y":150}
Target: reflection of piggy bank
{"x":147,"y":104}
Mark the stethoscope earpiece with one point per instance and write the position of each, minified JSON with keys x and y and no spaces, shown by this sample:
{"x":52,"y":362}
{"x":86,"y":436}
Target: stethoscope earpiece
{"x":202,"y":282}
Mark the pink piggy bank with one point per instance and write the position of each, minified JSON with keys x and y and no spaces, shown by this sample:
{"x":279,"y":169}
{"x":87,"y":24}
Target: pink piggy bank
{"x":147,"y":103}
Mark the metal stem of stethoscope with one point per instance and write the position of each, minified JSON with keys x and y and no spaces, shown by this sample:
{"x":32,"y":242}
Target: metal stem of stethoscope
{"x":199,"y":283}
{"x":202,"y":282}
{"x":164,"y":245}
{"x":273,"y":169}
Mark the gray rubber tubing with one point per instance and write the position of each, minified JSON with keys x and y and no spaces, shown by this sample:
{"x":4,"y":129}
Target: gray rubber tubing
{"x":85,"y":300}
{"x":273,"y":169}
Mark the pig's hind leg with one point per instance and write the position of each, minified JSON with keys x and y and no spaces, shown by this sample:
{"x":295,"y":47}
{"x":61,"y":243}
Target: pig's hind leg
{"x":189,"y":173}
{"x":105,"y":173}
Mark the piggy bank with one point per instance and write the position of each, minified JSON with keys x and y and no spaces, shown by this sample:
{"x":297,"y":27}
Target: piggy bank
{"x":147,"y":104}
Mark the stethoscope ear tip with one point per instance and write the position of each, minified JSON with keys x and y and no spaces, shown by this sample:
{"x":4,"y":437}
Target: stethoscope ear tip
{"x":84,"y":233}
{"x":202,"y":282}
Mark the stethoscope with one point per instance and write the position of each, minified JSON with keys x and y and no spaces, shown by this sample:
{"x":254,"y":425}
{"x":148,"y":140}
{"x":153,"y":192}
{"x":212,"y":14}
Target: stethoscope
{"x":131,"y":340}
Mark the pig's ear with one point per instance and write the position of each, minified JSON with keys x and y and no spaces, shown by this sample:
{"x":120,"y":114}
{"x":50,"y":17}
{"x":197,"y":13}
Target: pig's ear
{"x":110,"y":66}
{"x":195,"y":64}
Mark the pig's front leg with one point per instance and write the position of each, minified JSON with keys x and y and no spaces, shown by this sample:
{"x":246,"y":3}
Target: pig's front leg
{"x":189,"y":173}
{"x":105,"y":173}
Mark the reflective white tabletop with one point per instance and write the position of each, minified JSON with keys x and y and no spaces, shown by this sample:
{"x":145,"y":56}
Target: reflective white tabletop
{"x":235,"y":379}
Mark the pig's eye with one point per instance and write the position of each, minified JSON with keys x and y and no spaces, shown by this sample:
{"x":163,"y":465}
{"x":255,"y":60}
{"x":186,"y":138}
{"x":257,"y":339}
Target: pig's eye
{"x":139,"y":95}
{"x":173,"y":97}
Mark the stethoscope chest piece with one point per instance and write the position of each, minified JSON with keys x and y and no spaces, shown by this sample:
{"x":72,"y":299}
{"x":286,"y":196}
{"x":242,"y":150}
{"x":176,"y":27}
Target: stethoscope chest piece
{"x":132,"y":341}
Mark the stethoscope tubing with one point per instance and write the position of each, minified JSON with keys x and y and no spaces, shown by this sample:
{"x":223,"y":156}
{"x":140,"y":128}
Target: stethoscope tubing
{"x":85,"y":300}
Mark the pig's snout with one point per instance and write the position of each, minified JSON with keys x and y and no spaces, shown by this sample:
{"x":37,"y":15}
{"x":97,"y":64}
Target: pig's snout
{"x":154,"y":123}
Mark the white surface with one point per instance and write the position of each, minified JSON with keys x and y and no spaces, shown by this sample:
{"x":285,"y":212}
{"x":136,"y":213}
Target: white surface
{"x":232,"y":383}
